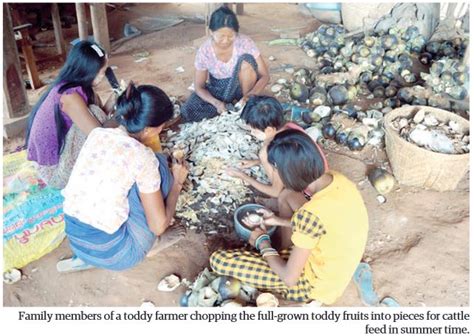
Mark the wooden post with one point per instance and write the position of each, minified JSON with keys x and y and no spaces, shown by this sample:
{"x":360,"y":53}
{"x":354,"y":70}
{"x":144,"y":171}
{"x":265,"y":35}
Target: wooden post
{"x":240,"y":8}
{"x":450,"y":11}
{"x":465,"y":60}
{"x":82,"y":21}
{"x":100,"y":25}
{"x":29,"y":56}
{"x":58,"y":31}
{"x":15,"y":100}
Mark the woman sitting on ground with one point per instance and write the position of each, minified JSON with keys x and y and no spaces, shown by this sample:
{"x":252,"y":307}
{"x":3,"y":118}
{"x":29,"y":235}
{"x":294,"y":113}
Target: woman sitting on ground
{"x":68,"y":107}
{"x":229,"y":68}
{"x":121,"y":198}
{"x":265,"y":117}
{"x":329,"y":229}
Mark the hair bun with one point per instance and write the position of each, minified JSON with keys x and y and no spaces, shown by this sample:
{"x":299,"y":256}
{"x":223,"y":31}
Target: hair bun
{"x":129,"y":102}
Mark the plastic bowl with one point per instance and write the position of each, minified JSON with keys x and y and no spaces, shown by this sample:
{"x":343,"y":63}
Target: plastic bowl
{"x":242,"y":231}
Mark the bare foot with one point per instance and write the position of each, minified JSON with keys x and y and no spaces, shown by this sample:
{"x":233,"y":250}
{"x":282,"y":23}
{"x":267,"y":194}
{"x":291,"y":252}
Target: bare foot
{"x":269,"y":203}
{"x":170,"y":237}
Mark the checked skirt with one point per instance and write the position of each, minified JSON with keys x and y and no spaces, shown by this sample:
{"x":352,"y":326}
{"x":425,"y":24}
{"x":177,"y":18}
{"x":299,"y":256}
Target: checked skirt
{"x":250,"y":268}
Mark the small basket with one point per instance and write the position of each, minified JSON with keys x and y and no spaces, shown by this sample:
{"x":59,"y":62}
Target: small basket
{"x":419,"y":167}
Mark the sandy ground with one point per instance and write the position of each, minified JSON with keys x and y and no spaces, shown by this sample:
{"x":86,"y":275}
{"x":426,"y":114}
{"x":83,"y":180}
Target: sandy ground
{"x":418,"y":243}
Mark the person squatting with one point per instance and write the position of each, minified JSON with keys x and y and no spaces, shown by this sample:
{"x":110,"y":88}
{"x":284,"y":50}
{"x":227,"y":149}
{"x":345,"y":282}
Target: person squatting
{"x":81,"y":146}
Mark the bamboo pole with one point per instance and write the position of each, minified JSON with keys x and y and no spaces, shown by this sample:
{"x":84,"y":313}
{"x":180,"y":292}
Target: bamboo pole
{"x":100,"y":25}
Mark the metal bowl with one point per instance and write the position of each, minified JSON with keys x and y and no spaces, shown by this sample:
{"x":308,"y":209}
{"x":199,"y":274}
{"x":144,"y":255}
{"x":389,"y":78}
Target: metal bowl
{"x":242,"y":231}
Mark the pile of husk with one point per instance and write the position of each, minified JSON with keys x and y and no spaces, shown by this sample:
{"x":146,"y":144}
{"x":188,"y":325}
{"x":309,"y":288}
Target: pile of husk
{"x":210,"y":196}
{"x":426,"y":131}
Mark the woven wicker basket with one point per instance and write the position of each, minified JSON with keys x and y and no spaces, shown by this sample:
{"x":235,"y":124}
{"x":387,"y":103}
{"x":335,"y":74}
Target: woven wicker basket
{"x":415,"y":166}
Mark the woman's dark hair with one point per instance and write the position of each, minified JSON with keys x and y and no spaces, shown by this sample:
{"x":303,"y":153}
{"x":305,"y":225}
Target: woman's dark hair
{"x":223,"y":17}
{"x":81,"y":68}
{"x":295,"y":156}
{"x":261,"y":112}
{"x":143,"y":106}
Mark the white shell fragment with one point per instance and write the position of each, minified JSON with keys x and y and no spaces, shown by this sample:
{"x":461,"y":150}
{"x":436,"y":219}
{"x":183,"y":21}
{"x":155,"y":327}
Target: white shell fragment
{"x":255,"y":219}
{"x":169,"y":283}
{"x":231,"y":304}
{"x":314,"y":132}
{"x":147,"y":304}
{"x":206,"y":297}
{"x":267,"y":300}
{"x":311,"y":53}
{"x":430,"y":120}
{"x":427,"y":132}
{"x":12,"y":276}
{"x":419,"y":116}
{"x":403,"y":123}
{"x":322,"y":111}
{"x":271,"y":58}
{"x":420,"y":137}
{"x":454,"y":126}
{"x":276,"y":88}
{"x":381,"y":199}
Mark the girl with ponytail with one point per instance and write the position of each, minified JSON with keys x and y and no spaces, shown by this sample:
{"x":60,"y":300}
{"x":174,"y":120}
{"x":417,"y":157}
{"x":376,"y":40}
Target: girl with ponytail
{"x":121,"y":197}
{"x":66,"y":104}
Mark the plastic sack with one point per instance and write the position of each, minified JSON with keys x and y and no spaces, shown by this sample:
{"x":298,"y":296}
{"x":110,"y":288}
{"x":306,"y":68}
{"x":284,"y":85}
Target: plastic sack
{"x":33,"y":220}
{"x":325,"y":12}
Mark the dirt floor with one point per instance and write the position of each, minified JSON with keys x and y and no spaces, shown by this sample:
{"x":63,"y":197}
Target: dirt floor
{"x":418,"y":243}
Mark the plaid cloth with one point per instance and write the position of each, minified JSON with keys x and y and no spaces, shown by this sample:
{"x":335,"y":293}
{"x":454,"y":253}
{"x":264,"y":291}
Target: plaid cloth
{"x":250,"y":268}
{"x":226,"y":90}
{"x":308,"y":224}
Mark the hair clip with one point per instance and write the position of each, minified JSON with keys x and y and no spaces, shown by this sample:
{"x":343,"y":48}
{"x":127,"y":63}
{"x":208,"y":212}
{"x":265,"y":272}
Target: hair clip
{"x":97,"y":50}
{"x":128,"y":90}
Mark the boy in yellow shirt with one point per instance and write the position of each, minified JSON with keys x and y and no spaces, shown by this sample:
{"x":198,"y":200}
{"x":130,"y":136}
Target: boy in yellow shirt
{"x":329,"y":229}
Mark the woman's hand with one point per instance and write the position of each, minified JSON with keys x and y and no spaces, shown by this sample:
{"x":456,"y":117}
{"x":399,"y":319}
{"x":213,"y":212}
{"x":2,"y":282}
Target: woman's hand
{"x":241,"y":103}
{"x":251,"y":225}
{"x":220,"y":106}
{"x":244,"y":164}
{"x":234,"y":172}
{"x":254,"y":235}
{"x":269,"y":218}
{"x":180,"y":172}
{"x":110,"y":104}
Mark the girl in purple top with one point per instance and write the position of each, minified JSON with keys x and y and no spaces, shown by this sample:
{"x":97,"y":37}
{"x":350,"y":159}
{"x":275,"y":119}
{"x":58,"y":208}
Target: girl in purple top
{"x":228,"y":67}
{"x":66,"y":103}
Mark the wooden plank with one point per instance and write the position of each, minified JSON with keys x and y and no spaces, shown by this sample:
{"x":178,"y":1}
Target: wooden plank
{"x":58,"y":58}
{"x":100,"y":25}
{"x":240,"y":8}
{"x":82,"y":21}
{"x":30,"y":60}
{"x":23,"y":26}
{"x":58,"y":31}
{"x":15,"y":100}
